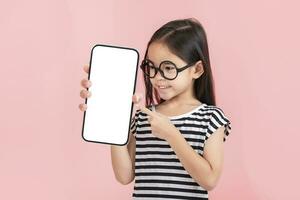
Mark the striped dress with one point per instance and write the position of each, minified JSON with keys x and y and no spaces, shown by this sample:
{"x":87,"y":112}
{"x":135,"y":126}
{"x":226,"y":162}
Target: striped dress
{"x":158,"y":171}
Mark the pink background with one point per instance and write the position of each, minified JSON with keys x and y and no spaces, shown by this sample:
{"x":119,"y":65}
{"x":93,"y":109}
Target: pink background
{"x":254,"y":49}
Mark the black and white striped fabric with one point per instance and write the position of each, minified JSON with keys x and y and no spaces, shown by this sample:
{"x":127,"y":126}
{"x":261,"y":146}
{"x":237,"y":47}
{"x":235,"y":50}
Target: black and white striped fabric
{"x":158,"y":172}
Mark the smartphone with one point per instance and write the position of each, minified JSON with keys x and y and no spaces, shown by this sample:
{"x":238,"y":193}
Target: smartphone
{"x":113,"y":73}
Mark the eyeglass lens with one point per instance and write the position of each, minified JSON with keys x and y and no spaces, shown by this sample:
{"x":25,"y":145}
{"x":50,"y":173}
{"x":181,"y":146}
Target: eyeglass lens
{"x":168,"y":69}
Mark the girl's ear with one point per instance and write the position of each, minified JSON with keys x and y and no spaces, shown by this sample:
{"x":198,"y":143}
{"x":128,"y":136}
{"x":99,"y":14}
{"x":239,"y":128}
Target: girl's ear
{"x":198,"y":69}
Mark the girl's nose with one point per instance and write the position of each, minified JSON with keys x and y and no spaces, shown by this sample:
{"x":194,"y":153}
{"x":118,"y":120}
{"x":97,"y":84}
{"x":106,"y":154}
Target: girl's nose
{"x":158,"y":76}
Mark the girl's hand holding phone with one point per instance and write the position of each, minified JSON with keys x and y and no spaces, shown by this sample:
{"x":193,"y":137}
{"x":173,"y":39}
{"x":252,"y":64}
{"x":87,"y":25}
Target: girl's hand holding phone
{"x":85,"y":93}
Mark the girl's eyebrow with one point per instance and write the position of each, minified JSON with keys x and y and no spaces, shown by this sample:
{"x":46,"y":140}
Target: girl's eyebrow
{"x":162,"y":61}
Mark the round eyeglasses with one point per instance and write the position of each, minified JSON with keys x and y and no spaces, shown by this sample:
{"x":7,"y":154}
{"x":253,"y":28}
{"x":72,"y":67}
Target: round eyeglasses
{"x":167,"y":69}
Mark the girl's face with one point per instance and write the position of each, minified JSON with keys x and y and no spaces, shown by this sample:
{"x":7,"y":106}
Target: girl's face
{"x":182,"y":86}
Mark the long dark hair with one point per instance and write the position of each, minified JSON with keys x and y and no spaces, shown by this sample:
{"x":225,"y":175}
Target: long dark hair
{"x":186,"y":38}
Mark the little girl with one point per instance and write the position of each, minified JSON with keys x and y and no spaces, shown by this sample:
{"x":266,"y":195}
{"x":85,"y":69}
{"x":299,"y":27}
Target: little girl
{"x":175,"y":150}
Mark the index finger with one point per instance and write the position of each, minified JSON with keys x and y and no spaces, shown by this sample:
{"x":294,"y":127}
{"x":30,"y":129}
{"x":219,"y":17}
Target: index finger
{"x":146,"y":110}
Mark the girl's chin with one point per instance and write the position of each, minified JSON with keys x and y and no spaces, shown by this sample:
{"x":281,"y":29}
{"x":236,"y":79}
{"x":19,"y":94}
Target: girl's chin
{"x":165,"y":97}
{"x":165,"y":94}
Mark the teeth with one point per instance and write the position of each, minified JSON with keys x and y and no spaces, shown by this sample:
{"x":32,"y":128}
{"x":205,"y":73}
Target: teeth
{"x":162,"y":87}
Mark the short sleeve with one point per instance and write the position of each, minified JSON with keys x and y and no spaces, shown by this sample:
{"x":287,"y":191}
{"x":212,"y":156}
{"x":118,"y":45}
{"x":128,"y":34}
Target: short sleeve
{"x":217,"y":120}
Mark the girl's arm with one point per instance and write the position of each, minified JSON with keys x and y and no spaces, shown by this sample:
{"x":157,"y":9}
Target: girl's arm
{"x":204,"y":170}
{"x":123,"y":158}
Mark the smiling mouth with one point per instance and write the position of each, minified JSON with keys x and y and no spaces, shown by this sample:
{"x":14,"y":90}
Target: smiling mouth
{"x":163,"y":87}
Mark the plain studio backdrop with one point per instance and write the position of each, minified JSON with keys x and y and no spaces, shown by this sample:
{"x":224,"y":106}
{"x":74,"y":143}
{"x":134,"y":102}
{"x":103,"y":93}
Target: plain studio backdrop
{"x":254,"y":51}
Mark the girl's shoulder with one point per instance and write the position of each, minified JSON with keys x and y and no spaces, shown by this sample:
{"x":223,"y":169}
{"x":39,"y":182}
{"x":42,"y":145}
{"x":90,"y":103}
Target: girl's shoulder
{"x":214,"y":112}
{"x":211,"y":108}
{"x":217,"y":118}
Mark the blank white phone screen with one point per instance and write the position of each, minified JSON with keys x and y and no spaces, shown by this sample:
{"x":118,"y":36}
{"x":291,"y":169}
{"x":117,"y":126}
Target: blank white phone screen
{"x":113,"y":72}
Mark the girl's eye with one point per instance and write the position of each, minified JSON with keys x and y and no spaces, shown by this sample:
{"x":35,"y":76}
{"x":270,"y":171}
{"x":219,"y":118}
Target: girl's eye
{"x":169,"y":68}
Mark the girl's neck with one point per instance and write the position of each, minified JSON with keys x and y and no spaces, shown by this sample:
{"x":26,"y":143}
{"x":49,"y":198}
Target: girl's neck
{"x":177,"y":103}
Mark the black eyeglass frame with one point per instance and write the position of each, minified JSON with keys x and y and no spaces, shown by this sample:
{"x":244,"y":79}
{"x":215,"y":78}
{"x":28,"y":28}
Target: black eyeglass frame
{"x":178,"y":70}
